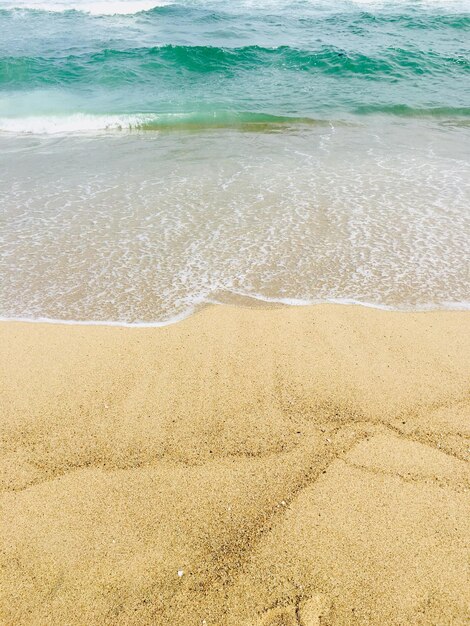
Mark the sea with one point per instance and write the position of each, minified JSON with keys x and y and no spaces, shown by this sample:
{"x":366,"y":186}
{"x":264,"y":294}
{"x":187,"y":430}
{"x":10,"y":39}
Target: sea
{"x":156,"y":157}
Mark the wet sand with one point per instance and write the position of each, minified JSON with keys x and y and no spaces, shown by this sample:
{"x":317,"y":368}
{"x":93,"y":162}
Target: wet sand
{"x":265,"y":467}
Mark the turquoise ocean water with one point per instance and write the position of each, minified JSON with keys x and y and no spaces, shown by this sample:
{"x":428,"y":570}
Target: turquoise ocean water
{"x":158,"y":156}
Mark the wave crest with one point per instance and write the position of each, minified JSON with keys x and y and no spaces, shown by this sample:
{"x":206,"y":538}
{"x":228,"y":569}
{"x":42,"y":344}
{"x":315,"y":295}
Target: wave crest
{"x":82,"y":122}
{"x":94,"y":7}
{"x":115,"y":67}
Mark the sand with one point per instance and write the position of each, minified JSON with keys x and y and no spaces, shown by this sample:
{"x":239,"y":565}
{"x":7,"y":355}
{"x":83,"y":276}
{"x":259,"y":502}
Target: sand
{"x":265,"y":467}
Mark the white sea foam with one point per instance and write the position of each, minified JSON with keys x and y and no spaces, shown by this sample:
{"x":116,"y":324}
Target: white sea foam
{"x":94,"y":7}
{"x":128,"y":7}
{"x":78,"y":122}
{"x":430,"y":306}
{"x":441,"y":306}
{"x":121,"y":324}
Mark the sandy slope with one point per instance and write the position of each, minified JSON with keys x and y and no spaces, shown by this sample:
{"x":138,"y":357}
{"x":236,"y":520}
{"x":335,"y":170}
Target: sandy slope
{"x":243,"y":467}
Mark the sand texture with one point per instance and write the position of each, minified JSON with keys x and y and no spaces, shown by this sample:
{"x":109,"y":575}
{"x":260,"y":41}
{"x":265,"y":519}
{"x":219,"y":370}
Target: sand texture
{"x":294,"y":466}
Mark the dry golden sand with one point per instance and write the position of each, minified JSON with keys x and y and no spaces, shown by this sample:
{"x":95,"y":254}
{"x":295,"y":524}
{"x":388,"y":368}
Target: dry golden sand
{"x":296,"y":466}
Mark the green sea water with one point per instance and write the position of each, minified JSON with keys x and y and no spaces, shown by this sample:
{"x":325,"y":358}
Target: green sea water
{"x":155,"y":157}
{"x":235,"y":61}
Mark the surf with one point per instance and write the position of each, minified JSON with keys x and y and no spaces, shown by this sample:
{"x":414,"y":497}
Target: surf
{"x":80,"y":122}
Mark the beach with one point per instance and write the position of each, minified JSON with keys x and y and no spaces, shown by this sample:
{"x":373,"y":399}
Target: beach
{"x":247,"y":465}
{"x":234,"y":313}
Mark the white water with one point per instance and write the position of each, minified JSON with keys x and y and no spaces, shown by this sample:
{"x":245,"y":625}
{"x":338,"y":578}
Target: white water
{"x":128,"y":7}
{"x":78,"y":122}
{"x":94,"y":7}
{"x":144,"y":228}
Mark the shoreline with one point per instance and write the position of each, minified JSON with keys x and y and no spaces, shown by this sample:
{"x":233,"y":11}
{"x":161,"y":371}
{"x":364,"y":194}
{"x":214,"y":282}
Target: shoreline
{"x":246,"y":302}
{"x":246,"y":466}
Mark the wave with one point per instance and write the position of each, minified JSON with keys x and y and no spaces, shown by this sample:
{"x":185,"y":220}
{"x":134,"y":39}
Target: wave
{"x":404,"y":110}
{"x":93,"y":7}
{"x":82,"y":122}
{"x":248,"y":298}
{"x":113,"y":67}
{"x":130,"y":7}
{"x":200,"y":120}
{"x":355,"y":16}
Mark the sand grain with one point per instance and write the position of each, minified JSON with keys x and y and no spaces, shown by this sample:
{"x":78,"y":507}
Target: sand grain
{"x":299,"y":466}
